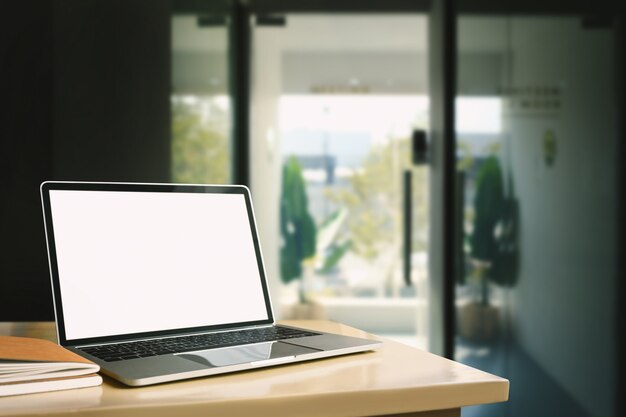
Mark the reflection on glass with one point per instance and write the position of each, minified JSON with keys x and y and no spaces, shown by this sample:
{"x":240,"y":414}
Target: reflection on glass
{"x":536,"y":241}
{"x":479,"y":115}
{"x":488,"y":233}
{"x":258,"y":352}
{"x":200,"y":103}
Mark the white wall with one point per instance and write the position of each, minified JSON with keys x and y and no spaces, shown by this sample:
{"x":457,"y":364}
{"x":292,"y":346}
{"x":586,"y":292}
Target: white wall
{"x":266,"y":160}
{"x":563,"y":305}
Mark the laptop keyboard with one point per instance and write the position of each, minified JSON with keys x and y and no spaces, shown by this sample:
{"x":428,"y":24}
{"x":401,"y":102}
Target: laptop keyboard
{"x":154,"y":347}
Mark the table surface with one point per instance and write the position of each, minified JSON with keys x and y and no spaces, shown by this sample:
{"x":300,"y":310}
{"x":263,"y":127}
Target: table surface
{"x":394,"y":379}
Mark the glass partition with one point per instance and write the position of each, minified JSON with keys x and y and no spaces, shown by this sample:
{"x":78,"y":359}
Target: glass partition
{"x":536,"y":136}
{"x":336,"y":99}
{"x":200,"y":101}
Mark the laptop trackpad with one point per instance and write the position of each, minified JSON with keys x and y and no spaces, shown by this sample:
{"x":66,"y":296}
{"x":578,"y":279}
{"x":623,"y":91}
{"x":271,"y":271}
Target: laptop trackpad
{"x":246,"y":354}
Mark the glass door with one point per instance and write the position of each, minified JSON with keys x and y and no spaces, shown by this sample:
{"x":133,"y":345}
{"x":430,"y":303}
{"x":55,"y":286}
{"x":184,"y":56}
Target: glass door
{"x":537,"y":208}
{"x":201,"y":150}
{"x":336,"y":99}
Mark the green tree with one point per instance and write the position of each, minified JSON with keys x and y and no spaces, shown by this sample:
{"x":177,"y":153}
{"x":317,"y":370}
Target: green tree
{"x":200,"y":152}
{"x":493,"y":240}
{"x":374,"y":200}
{"x":488,"y":207}
{"x":297,"y":226}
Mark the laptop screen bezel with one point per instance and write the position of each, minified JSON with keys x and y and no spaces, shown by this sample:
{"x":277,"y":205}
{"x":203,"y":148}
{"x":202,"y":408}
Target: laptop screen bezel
{"x":48,"y":186}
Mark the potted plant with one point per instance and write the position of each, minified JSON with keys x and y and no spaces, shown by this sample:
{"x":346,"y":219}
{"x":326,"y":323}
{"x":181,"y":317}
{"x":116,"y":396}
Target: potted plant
{"x":297,"y":226}
{"x":307,"y":251}
{"x":492,"y":254}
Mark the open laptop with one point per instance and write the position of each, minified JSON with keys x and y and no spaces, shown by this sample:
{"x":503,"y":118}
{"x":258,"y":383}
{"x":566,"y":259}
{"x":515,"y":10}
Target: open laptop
{"x":161,"y":282}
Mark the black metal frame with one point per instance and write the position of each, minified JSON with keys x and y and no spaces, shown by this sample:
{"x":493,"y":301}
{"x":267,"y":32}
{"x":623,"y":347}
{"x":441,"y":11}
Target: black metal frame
{"x":538,"y":7}
{"x":407,"y":224}
{"x":239,"y":58}
{"x":343,"y":6}
{"x":449,"y":168}
{"x":194,"y":7}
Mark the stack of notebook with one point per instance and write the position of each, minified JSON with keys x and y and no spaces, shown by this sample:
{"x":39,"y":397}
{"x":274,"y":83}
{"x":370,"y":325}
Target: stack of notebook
{"x":30,"y":365}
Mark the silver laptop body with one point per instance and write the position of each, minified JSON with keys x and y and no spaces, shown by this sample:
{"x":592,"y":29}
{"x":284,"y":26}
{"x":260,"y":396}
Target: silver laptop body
{"x":162,"y":282}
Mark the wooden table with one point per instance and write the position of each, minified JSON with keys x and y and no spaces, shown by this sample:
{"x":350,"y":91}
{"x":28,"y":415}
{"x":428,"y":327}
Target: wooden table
{"x":397,"y":379}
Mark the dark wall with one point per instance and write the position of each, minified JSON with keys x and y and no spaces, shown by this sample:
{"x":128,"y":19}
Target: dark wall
{"x":85,"y":88}
{"x":620,"y":296}
{"x":26,"y":144}
{"x":111,"y":90}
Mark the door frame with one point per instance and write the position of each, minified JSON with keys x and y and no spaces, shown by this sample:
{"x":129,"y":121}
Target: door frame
{"x":443,"y":196}
{"x":442,"y":60}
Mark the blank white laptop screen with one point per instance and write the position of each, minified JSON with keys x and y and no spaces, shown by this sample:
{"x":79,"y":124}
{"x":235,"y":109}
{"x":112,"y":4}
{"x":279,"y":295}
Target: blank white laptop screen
{"x":133,"y":262}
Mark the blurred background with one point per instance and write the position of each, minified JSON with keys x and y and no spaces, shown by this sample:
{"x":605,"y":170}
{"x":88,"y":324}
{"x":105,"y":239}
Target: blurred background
{"x":447,"y":174}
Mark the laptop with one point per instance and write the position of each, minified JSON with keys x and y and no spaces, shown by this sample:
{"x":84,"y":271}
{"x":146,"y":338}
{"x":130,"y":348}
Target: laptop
{"x":162,"y":282}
